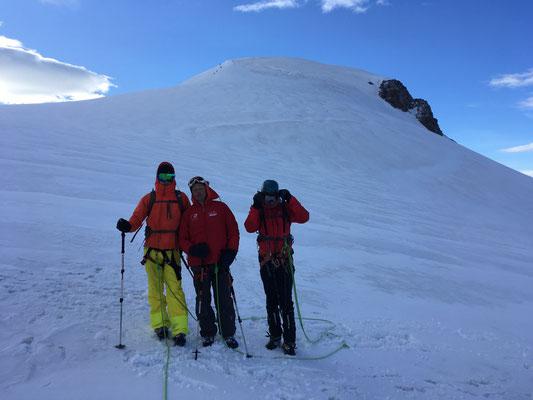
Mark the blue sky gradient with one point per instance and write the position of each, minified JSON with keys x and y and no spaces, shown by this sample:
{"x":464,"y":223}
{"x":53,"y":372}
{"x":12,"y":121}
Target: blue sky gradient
{"x":452,"y":53}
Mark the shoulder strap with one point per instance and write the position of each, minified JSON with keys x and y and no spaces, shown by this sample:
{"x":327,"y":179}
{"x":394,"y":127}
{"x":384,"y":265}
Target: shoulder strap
{"x":263,"y":221}
{"x":152,"y":201}
{"x":285,"y":215}
{"x":285,"y":212}
{"x":180,"y":201}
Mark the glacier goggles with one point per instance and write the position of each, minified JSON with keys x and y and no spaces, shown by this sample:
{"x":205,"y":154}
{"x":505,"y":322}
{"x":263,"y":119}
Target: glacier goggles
{"x":270,"y":197}
{"x":164,"y":177}
{"x":195,"y":180}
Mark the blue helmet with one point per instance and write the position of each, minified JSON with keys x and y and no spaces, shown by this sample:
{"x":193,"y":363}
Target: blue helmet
{"x":270,"y":186}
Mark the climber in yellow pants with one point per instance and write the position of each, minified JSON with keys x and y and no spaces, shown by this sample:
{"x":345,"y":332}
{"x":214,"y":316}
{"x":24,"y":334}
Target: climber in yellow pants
{"x":162,"y":209}
{"x":163,"y":268}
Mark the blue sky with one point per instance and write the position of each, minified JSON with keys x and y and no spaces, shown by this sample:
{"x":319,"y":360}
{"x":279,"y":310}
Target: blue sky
{"x":471,"y":59}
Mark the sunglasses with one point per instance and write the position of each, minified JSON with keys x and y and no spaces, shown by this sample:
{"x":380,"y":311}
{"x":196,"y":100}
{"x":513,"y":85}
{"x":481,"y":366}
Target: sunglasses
{"x":195,"y":180}
{"x":270,"y":198}
{"x":163,"y":177}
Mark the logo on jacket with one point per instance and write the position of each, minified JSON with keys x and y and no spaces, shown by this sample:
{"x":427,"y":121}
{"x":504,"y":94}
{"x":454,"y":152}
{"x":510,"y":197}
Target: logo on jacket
{"x":212,"y":213}
{"x":195,"y":216}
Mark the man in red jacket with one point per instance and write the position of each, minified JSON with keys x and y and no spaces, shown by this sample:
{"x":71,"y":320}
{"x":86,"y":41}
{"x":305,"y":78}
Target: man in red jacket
{"x":271,"y":215}
{"x":210,"y":236}
{"x":162,"y":210}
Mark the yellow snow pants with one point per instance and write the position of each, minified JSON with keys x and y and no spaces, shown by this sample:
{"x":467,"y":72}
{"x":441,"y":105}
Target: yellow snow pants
{"x":161,"y":274}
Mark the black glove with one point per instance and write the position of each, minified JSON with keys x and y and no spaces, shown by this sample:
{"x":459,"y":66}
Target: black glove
{"x":199,"y":250}
{"x":258,"y":201}
{"x":226,"y":258}
{"x":285,"y":195}
{"x":123,"y":225}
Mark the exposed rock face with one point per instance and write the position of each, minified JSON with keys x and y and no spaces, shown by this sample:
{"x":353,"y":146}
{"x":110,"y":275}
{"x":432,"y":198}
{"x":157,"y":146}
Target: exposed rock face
{"x":425,"y":116}
{"x":397,"y":95}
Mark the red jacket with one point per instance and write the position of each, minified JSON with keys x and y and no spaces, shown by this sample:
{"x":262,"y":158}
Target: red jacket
{"x":274,"y":221}
{"x":163,"y":217}
{"x":214,"y":224}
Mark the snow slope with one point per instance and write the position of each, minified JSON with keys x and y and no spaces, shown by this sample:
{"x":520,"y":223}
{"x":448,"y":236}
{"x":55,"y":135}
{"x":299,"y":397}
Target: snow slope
{"x":418,"y":250}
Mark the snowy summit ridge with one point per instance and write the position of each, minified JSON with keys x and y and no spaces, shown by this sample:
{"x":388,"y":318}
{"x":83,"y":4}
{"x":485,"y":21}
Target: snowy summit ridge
{"x":418,"y":250}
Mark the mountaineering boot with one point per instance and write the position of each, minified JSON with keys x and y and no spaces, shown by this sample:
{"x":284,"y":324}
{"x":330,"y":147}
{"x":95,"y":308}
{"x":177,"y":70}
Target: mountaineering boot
{"x":180,"y":339}
{"x":273,"y":342}
{"x":208,"y":341}
{"x":231,"y":342}
{"x":161,"y":333}
{"x":288,"y":348}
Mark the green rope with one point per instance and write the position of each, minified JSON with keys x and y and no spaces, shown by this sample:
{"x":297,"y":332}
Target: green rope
{"x":296,"y":298}
{"x":162,"y":320}
{"x":327,"y":332}
{"x":178,"y":300}
{"x":343,"y":345}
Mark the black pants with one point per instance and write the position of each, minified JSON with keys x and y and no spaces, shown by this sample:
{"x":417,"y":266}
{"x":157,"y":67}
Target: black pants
{"x":277,"y":282}
{"x":203,"y":281}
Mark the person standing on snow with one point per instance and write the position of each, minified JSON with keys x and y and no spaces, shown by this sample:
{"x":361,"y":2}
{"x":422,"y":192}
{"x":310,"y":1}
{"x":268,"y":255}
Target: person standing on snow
{"x":271,"y":215}
{"x":209,"y":234}
{"x":163,"y":212}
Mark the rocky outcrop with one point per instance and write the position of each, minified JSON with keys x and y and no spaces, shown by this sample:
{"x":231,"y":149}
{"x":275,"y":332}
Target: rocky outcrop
{"x":397,"y":95}
{"x":425,"y":116}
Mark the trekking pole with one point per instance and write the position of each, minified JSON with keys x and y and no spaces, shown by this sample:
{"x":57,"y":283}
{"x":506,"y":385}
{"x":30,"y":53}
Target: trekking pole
{"x":201,"y":295}
{"x":133,"y":238}
{"x":186,"y":265}
{"x":248,"y":355}
{"x":120,"y":345}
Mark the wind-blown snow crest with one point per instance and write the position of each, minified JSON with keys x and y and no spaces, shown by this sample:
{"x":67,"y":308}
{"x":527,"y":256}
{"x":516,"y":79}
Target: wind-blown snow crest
{"x":418,"y":250}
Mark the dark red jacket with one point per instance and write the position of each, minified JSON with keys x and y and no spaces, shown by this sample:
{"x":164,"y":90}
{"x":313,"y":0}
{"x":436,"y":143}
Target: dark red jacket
{"x":163,"y":217}
{"x":214,"y":224}
{"x":275,"y":220}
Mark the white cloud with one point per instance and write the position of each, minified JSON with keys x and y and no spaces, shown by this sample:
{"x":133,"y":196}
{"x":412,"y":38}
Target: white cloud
{"x":530,"y":173}
{"x":527,"y":104}
{"x":526,"y":147}
{"x":514,"y":80}
{"x":10,"y":43}
{"x":358,"y":6}
{"x":28,"y":77}
{"x":263,"y":5}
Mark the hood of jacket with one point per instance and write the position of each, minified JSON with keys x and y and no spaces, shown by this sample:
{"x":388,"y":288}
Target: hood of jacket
{"x":159,"y":187}
{"x":211,"y":195}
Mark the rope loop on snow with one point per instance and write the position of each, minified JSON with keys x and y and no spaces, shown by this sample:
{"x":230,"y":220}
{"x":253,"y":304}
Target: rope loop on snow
{"x":326,"y":332}
{"x":300,"y":318}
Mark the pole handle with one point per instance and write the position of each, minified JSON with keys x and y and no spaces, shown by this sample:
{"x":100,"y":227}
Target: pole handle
{"x":123,"y":240}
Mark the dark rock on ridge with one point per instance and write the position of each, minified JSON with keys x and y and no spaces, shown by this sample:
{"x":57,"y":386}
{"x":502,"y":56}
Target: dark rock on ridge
{"x":397,"y":95}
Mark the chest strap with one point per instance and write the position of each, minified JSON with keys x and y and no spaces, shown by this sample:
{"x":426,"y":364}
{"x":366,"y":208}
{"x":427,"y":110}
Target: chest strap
{"x":289,"y":238}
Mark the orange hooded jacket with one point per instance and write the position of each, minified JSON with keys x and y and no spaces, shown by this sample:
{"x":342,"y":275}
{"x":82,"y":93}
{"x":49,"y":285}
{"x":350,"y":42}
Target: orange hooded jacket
{"x":165,"y":216}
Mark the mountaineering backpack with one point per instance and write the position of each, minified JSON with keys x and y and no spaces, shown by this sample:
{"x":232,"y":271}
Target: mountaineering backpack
{"x":289,"y":238}
{"x":148,"y":230}
{"x":152,"y":201}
